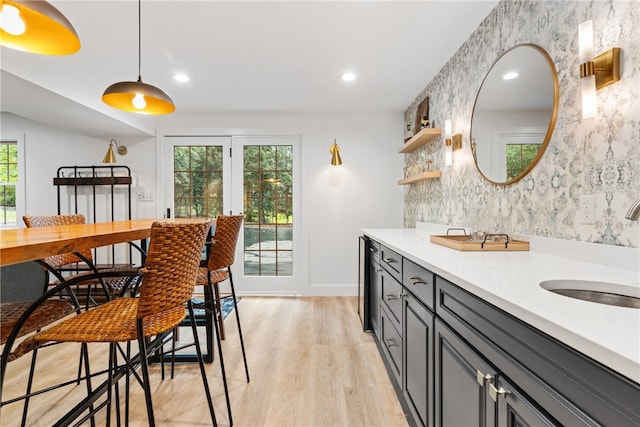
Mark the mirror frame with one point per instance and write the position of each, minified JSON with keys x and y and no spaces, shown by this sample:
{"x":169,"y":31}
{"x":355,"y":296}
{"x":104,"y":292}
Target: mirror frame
{"x":552,"y":121}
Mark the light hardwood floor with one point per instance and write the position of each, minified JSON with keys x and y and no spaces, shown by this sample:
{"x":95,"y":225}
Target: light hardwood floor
{"x":310,"y":365}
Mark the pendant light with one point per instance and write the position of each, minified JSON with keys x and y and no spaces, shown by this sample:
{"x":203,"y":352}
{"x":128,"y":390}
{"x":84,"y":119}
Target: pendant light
{"x":138,"y":97}
{"x":35,"y":26}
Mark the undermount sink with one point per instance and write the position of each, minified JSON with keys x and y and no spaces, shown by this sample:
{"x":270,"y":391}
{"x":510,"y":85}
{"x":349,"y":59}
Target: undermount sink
{"x":601,"y":292}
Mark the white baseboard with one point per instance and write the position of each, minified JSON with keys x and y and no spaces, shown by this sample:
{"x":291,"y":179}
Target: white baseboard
{"x":333,"y":290}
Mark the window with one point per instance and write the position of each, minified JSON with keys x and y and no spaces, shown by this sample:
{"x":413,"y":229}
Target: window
{"x":8,"y":182}
{"x":197,"y":179}
{"x":519,"y":157}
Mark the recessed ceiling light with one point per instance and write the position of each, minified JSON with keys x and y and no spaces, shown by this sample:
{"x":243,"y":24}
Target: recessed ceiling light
{"x":510,"y":75}
{"x":181,"y":77}
{"x":348,"y":77}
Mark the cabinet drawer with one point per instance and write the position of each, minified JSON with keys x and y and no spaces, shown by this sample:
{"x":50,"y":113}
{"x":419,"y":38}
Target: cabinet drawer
{"x":391,"y":293}
{"x":419,"y":281}
{"x":391,"y":261}
{"x":392,"y":343}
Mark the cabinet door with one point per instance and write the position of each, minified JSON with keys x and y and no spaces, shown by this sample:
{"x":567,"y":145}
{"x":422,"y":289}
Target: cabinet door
{"x":375,"y":290}
{"x":418,"y":366}
{"x":515,"y":409}
{"x":462,"y":378}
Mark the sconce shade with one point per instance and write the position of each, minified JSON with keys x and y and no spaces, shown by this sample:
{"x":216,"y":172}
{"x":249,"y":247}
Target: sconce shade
{"x":448,"y":155}
{"x":587,"y":71}
{"x":447,"y":129}
{"x":336,"y":160}
{"x":35,"y":26}
{"x":121,"y":96}
{"x":110,"y":156}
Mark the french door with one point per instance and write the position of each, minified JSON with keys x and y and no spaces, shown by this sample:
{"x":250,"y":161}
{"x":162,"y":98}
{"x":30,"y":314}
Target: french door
{"x":256,"y":176}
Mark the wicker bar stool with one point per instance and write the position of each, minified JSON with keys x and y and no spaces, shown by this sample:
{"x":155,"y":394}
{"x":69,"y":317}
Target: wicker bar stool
{"x":167,"y":284}
{"x":114,"y":281}
{"x":20,"y":318}
{"x":217,"y":269}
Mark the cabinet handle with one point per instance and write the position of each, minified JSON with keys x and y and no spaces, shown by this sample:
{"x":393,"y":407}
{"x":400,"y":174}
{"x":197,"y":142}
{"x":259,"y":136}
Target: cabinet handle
{"x":389,"y":297}
{"x":389,"y":260}
{"x":415,"y":280}
{"x":378,"y":270}
{"x":372,"y":250}
{"x":495,"y":393}
{"x":391,"y":343}
{"x":481,"y":378}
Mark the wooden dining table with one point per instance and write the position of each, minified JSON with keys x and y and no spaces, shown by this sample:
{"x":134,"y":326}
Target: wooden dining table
{"x":29,"y":244}
{"x":35,"y":243}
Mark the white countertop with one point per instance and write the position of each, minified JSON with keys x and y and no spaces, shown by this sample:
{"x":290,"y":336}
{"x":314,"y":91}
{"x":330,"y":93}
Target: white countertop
{"x":510,"y":281}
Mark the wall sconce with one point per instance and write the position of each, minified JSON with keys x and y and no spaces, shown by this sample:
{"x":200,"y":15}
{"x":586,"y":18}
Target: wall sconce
{"x":110,"y":157}
{"x":451,"y":142}
{"x":336,"y":160}
{"x":595,"y":73}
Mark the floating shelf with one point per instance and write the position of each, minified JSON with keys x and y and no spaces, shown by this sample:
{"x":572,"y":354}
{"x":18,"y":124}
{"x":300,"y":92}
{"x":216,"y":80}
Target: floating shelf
{"x":419,"y":139}
{"x":419,"y":177}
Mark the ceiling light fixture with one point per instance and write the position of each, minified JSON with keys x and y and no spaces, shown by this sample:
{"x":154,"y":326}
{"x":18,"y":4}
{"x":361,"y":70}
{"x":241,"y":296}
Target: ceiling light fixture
{"x":181,"y":77}
{"x":348,"y":77}
{"x":36,"y":27}
{"x":138,"y":97}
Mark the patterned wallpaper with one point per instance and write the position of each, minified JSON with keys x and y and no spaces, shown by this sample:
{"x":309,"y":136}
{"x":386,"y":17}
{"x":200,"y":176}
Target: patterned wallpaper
{"x":599,"y":157}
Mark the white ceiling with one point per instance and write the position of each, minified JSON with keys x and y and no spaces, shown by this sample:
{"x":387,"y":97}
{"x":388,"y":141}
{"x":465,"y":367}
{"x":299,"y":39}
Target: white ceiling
{"x":242,"y":56}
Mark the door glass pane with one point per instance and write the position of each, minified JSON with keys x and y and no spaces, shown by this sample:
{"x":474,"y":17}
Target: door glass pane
{"x":268,"y":207}
{"x":197,"y":181}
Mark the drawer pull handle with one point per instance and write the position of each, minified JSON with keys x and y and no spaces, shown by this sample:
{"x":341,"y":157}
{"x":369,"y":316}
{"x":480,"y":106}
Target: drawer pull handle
{"x":391,"y":343}
{"x":378,"y":270}
{"x":373,"y":250}
{"x":481,"y":378}
{"x":415,"y":280}
{"x":495,"y":393}
{"x":390,"y":297}
{"x":389,"y":260}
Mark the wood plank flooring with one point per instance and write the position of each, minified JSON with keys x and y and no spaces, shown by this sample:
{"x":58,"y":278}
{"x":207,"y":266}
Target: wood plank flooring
{"x":309,"y":361}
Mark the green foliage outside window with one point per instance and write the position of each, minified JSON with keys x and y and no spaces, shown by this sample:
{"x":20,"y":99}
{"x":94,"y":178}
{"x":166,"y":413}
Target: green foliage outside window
{"x":197,"y":181}
{"x":519,"y":156}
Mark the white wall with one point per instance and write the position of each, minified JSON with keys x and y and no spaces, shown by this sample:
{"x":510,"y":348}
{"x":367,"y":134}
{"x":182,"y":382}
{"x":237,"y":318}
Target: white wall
{"x":336,"y":202}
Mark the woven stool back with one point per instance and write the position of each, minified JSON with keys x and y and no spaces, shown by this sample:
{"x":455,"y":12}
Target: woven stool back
{"x":225,"y":238}
{"x":57,"y":261}
{"x":169,"y":273}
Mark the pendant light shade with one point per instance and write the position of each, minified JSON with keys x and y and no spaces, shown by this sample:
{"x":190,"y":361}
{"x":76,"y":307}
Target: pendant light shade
{"x":138,"y":97}
{"x":35,"y":26}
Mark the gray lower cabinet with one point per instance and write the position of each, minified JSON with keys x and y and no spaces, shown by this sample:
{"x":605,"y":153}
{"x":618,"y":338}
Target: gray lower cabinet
{"x":457,"y":360}
{"x":535,"y":379}
{"x":461,"y":378}
{"x":418,"y":360}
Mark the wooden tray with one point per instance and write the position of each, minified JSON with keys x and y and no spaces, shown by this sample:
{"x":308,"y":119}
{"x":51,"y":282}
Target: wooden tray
{"x":464,"y":243}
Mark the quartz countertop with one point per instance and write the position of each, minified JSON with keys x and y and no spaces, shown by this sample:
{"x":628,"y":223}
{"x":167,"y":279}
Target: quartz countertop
{"x":510,"y":281}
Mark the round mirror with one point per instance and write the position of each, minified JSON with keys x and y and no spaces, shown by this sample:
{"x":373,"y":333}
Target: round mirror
{"x":514,"y":114}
